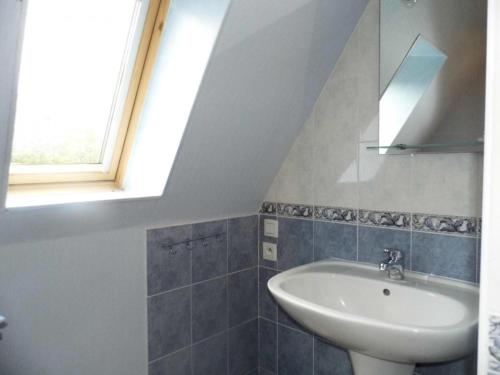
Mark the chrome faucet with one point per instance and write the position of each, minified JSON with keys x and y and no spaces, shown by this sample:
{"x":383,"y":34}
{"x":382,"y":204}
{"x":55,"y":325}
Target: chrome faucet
{"x":393,"y":264}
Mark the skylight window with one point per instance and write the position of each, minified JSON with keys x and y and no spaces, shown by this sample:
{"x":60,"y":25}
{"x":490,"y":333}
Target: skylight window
{"x":84,"y":69}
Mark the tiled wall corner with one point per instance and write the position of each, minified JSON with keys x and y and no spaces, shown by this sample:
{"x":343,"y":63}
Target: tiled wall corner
{"x":203,"y":298}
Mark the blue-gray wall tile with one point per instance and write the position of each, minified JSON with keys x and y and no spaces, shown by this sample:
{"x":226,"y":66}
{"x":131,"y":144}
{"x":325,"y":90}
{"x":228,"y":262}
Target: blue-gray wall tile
{"x":267,"y":305}
{"x":330,"y":359}
{"x":268,"y":340}
{"x":168,"y":269}
{"x":169,"y":322}
{"x":334,"y":240}
{"x":295,"y":246}
{"x":443,"y":255}
{"x":263,"y":238}
{"x":287,"y":320}
{"x":210,"y":356}
{"x":478,"y":260}
{"x":295,"y":352}
{"x":178,"y":363}
{"x":466,"y":366}
{"x":243,"y":242}
{"x":209,"y":308}
{"x":373,"y":241}
{"x":210,"y":254}
{"x":209,"y":228}
{"x":243,"y":348}
{"x":263,"y":371}
{"x":242,"y":292}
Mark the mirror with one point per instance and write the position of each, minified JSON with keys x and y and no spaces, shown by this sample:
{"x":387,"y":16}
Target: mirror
{"x":432,"y":75}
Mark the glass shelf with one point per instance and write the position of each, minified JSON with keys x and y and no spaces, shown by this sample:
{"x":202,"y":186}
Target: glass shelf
{"x":403,"y":146}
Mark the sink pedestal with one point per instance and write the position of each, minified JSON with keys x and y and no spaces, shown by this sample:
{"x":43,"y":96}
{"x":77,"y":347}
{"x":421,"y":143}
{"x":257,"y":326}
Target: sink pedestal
{"x":365,"y":365}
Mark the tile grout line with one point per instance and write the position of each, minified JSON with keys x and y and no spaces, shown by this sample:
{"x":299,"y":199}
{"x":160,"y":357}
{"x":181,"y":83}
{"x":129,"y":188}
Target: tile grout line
{"x":411,"y":240}
{"x":313,"y":355}
{"x":286,"y":326}
{"x":191,"y":309}
{"x":277,"y":315}
{"x":357,"y":235}
{"x":202,"y":340}
{"x":147,"y":303}
{"x":227,"y":295}
{"x":258,"y":292}
{"x":314,"y":259}
{"x":200,"y":282}
{"x":478,"y":251}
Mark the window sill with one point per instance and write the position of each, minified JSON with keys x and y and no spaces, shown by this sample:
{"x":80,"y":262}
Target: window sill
{"x":20,"y":196}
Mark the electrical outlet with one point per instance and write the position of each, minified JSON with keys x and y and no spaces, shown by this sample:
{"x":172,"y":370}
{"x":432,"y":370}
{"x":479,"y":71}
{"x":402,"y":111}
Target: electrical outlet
{"x":269,"y":251}
{"x":271,"y":228}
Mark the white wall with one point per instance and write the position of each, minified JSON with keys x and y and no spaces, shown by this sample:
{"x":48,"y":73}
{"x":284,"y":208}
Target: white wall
{"x":490,"y":260}
{"x":75,"y":305}
{"x":72,"y":277}
{"x":330,"y":165}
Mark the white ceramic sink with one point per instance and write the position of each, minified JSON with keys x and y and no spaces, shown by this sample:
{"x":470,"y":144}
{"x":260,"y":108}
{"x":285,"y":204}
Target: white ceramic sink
{"x":386,"y":325}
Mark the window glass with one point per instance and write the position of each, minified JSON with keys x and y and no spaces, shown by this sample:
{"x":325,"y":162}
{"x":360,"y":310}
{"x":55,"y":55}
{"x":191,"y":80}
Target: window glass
{"x":73,"y":79}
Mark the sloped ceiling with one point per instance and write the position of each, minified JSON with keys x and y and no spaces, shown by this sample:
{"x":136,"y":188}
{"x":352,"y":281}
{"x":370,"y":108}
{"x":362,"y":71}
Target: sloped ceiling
{"x":267,"y":69}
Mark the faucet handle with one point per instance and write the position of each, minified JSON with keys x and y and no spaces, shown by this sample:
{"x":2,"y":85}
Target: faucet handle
{"x":394,"y":255}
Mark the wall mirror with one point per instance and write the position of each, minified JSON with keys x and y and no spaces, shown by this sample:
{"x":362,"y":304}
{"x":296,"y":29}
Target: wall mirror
{"x":432,"y":76}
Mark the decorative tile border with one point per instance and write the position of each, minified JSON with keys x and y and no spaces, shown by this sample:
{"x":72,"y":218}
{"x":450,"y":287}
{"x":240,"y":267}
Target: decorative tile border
{"x":338,"y":214}
{"x":399,"y":220}
{"x":446,"y":224}
{"x":295,"y":210}
{"x":494,"y":345}
{"x":268,"y":208}
{"x":458,"y":225}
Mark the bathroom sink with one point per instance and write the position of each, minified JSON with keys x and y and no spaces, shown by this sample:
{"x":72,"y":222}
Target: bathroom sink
{"x":386,"y":325}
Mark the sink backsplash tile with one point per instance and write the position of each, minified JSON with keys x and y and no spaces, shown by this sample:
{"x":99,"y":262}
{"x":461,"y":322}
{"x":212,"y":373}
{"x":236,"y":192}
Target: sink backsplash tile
{"x":442,"y":245}
{"x":439,"y":244}
{"x":203,"y":298}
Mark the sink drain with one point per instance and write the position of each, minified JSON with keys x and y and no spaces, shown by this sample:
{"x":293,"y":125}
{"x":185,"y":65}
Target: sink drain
{"x":387,"y":292}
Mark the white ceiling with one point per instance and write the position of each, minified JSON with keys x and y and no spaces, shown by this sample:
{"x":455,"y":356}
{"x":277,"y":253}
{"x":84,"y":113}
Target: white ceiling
{"x":267,"y":69}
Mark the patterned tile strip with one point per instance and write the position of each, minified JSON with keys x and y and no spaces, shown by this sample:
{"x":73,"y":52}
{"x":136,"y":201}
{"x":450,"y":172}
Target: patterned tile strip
{"x":295,"y":210}
{"x":494,"y":347}
{"x":385,"y":219}
{"x":268,"y":208}
{"x":447,"y":224}
{"x":347,"y":215}
{"x":467,"y":226}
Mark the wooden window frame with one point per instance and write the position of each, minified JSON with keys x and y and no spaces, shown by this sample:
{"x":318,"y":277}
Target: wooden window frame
{"x":134,"y":101}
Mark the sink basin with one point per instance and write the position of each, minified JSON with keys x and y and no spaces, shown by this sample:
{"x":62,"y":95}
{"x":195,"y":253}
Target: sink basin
{"x":386,"y":325}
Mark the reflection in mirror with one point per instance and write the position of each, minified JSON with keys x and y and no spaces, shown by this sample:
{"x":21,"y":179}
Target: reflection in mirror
{"x":418,"y":70}
{"x":432,"y":75}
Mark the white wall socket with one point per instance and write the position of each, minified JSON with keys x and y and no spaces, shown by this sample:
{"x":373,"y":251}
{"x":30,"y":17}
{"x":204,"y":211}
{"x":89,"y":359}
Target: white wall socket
{"x":269,"y":251}
{"x":271,"y":228}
